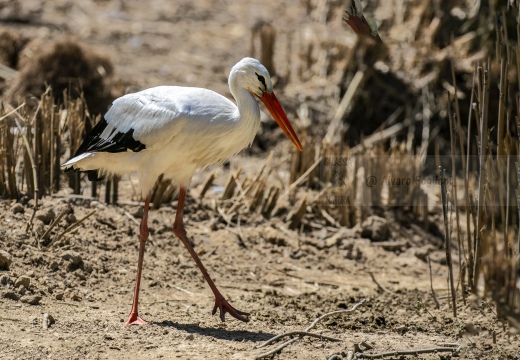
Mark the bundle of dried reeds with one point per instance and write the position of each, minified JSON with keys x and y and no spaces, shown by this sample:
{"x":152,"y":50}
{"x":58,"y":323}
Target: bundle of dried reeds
{"x":33,"y":143}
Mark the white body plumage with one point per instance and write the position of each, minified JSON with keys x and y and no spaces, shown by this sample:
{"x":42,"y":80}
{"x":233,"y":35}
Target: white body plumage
{"x":181,"y":129}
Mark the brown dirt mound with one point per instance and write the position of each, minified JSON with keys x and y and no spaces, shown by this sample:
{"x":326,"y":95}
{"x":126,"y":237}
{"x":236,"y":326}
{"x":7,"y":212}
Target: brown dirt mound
{"x":67,"y":67}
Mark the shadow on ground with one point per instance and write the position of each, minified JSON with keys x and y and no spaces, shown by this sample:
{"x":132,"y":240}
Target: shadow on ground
{"x":234,"y":335}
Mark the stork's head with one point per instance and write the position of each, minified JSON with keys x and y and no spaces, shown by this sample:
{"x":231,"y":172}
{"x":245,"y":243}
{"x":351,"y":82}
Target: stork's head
{"x":248,"y":73}
{"x":252,"y":76}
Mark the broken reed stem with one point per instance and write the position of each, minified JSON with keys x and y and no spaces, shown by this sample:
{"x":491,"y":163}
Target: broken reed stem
{"x":334,"y":125}
{"x":115,"y":191}
{"x":297,"y":215}
{"x":8,"y":159}
{"x":37,"y":146}
{"x":31,"y":159}
{"x":298,"y":181}
{"x":434,"y":296}
{"x":447,"y":239}
{"x":257,"y":178}
{"x":207,"y":185}
{"x":53,"y":154}
{"x":501,"y":151}
{"x":29,"y":223}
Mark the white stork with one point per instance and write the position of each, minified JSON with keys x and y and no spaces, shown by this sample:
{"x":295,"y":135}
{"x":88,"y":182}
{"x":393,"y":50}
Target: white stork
{"x":174,"y":131}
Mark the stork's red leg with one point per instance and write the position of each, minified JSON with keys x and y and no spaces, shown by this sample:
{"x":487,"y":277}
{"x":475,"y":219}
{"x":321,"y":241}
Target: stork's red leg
{"x":134,"y":318}
{"x":220,"y":301}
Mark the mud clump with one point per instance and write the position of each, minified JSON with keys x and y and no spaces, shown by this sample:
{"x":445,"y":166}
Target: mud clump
{"x":375,"y":228}
{"x":22,"y":281}
{"x":46,"y":216}
{"x":17,"y":208}
{"x":73,"y":259}
{"x":5,"y":260}
{"x":31,"y":299}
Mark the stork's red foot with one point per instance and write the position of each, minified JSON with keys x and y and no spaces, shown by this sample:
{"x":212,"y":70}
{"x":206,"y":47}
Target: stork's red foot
{"x":134,"y":319}
{"x":223,"y":305}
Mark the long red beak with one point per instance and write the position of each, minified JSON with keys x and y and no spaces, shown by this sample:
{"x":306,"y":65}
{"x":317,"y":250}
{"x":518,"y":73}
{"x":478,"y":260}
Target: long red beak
{"x":271,"y":103}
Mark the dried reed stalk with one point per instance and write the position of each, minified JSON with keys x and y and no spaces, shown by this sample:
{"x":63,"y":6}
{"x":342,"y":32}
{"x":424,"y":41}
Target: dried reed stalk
{"x":267,"y":35}
{"x":483,"y":137}
{"x":296,"y":215}
{"x":163,"y":191}
{"x":454,"y":192}
{"x":447,"y":239}
{"x":471,"y":256}
{"x":8,"y":157}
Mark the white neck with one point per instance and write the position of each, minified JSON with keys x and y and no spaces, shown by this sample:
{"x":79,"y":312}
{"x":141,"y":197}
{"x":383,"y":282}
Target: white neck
{"x":249,"y":114}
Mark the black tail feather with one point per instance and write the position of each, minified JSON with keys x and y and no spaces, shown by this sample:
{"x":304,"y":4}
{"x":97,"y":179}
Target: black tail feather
{"x":93,"y":175}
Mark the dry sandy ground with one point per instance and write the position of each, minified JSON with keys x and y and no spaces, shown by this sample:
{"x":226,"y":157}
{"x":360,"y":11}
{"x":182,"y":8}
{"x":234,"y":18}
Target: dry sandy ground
{"x":283,"y":278}
{"x":286,"y":280}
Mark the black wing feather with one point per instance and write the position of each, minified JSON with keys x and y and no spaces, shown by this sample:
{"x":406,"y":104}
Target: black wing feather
{"x":119,"y":142}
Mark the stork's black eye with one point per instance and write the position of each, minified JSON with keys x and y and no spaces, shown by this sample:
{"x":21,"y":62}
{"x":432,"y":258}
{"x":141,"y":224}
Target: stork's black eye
{"x":261,"y":79}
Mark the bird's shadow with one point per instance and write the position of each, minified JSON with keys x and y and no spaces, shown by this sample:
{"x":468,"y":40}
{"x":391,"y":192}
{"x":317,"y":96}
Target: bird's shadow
{"x":233,"y":335}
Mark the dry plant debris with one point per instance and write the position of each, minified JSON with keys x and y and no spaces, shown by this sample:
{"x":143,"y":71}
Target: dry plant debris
{"x":305,"y":332}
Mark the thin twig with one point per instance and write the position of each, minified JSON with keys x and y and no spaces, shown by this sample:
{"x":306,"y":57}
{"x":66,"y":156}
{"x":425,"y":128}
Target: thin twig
{"x":183,"y":290}
{"x":301,"y":334}
{"x":304,"y":332}
{"x":352,"y":309}
{"x":381,"y":286}
{"x":53,"y":224}
{"x":10,"y":319}
{"x":70,"y":228}
{"x":68,"y":303}
{"x":275,"y":350}
{"x":409,"y":352}
{"x":162,"y":302}
{"x":29,"y":223}
{"x":84,"y":197}
{"x":12,"y":112}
